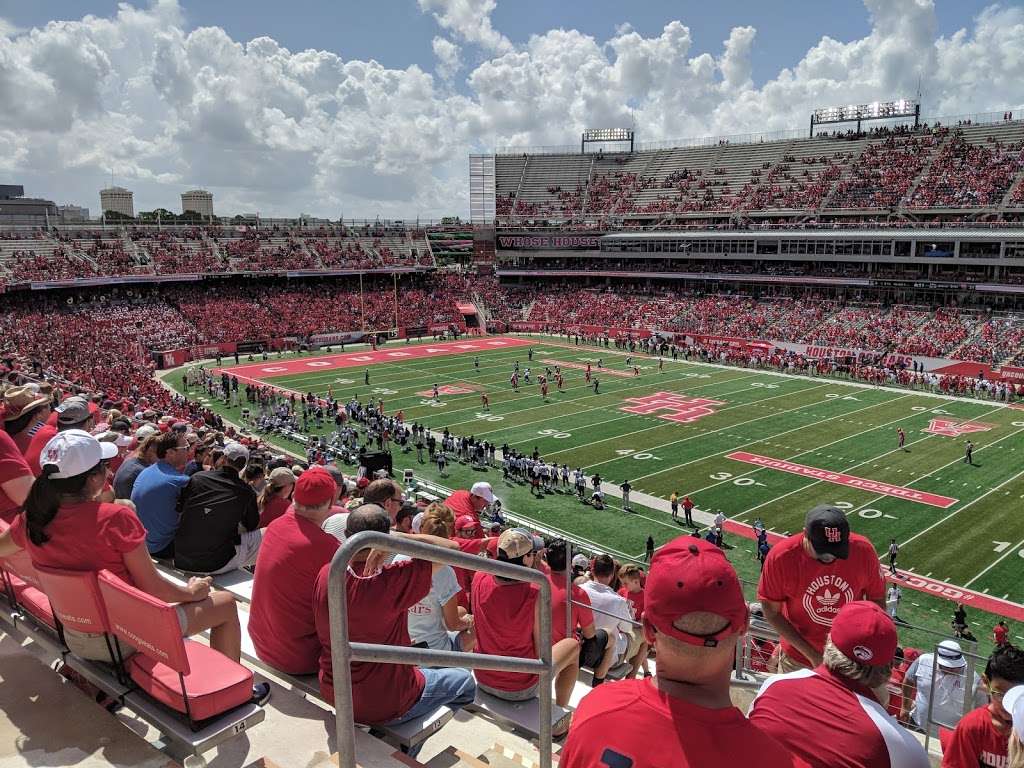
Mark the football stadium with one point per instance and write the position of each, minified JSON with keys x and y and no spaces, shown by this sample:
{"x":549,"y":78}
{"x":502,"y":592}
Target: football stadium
{"x":715,"y":440}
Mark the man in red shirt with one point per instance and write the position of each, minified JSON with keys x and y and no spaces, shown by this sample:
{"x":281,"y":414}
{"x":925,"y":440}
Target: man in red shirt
{"x":506,"y":614}
{"x":471,"y":502}
{"x":596,"y":652}
{"x":1000,"y":633}
{"x":294,"y":549}
{"x":982,"y":737}
{"x":833,"y":716}
{"x":808,"y":577}
{"x":15,"y":479}
{"x":73,"y":413}
{"x":378,"y":603}
{"x":684,"y":717}
{"x":26,"y":410}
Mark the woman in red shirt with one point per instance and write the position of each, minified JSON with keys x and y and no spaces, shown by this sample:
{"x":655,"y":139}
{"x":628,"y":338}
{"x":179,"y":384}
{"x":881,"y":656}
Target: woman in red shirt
{"x":65,"y":526}
{"x":276,"y":496}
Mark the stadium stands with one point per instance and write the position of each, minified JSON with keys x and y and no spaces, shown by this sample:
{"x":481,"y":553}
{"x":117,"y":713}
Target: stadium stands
{"x":939,"y":167}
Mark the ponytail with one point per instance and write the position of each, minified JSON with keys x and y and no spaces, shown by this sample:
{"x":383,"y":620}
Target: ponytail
{"x":43,"y":500}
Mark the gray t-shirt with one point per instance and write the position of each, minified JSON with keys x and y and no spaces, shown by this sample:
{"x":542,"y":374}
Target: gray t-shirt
{"x":426,"y":618}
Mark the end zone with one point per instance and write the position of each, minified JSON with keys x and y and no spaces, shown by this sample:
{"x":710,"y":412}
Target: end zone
{"x":270,"y":369}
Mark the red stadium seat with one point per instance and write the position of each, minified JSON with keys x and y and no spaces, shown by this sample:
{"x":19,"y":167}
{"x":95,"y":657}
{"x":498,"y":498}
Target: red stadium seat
{"x":76,"y":602}
{"x":27,"y":589}
{"x":186,"y":676}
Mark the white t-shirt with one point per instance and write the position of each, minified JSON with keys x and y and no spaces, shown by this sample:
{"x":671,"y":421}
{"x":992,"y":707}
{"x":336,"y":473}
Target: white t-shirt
{"x":604,"y":598}
{"x":948,"y":696}
{"x":426,"y":618}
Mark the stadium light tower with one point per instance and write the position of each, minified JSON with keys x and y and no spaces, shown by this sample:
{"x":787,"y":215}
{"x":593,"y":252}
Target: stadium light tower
{"x":878,"y":110}
{"x":605,"y":135}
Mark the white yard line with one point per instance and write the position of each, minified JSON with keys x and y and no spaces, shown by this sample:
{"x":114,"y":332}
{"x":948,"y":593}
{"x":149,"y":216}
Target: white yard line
{"x":958,"y":511}
{"x":847,"y":469}
{"x":705,"y":434}
{"x":1011,"y":551}
{"x":533,"y":395}
{"x":722,"y":410}
{"x":844,"y":382}
{"x":584,"y":410}
{"x":772,"y":437}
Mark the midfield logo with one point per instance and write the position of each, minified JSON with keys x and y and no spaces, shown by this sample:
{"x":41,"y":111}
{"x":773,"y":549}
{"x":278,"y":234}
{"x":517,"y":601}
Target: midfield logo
{"x":679,"y":408}
{"x":951,"y":428}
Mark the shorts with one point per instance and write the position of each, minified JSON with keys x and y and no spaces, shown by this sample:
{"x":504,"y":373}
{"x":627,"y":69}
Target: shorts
{"x":592,"y":649}
{"x":93,"y":646}
{"x":635,"y":639}
{"x":524,"y":695}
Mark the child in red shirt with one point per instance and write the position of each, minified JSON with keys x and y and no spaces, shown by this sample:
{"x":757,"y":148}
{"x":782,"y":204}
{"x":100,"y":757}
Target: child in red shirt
{"x":631,"y":577}
{"x":982,"y":737}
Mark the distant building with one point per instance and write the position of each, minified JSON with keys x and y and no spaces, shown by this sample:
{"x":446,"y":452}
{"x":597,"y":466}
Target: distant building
{"x":197,"y":201}
{"x":73,"y":213}
{"x":118,"y":200}
{"x":17,"y":209}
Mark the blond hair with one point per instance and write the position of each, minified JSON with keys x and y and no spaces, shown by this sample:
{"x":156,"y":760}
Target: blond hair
{"x":631,"y":571}
{"x":1016,"y":754}
{"x":841,"y":664}
{"x":438,"y":520}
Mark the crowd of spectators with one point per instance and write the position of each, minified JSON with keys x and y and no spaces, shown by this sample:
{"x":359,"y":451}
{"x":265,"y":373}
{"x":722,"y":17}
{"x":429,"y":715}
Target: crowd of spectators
{"x":965,"y":175}
{"x":930,"y":167}
{"x":63,"y":255}
{"x":163,"y":479}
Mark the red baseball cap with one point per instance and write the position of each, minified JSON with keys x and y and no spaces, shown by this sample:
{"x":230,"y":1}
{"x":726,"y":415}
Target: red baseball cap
{"x":466,"y":522}
{"x":690,"y":575}
{"x":314,"y":488}
{"x":865,"y":633}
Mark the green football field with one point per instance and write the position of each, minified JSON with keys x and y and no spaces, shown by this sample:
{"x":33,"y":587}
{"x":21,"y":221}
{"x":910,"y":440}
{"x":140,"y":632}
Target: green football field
{"x":958,"y":524}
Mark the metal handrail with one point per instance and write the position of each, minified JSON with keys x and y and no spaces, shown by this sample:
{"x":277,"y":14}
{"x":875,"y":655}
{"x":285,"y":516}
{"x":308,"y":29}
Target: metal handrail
{"x":344,"y":652}
{"x":605,"y":613}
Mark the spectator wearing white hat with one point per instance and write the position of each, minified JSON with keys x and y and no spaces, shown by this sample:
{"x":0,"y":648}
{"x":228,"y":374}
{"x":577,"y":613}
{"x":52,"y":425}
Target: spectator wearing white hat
{"x":841,"y":698}
{"x":946,"y":698}
{"x":73,"y":413}
{"x":471,"y":502}
{"x":219,"y":527}
{"x":64,"y":526}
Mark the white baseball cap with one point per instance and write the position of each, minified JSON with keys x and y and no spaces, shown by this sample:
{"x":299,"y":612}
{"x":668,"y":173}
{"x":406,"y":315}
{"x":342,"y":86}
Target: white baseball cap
{"x":950,"y":656}
{"x":483,"y":490}
{"x":74,"y":452}
{"x":580,"y":561}
{"x":145,"y":431}
{"x":1013,"y":702}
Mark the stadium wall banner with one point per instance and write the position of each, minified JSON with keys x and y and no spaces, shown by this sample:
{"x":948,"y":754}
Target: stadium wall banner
{"x":172,"y":358}
{"x":556,"y":242}
{"x":323,"y":339}
{"x":1011,"y":373}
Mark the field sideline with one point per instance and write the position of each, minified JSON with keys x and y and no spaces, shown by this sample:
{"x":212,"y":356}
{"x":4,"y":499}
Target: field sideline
{"x":838,"y":441}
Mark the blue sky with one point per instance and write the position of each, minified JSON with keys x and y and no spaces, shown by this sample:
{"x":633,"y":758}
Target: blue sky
{"x":397,"y":34}
{"x":372,"y":108}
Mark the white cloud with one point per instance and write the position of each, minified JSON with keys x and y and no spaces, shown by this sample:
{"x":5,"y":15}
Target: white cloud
{"x":279,"y":131}
{"x":448,"y":56}
{"x":470,"y":20}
